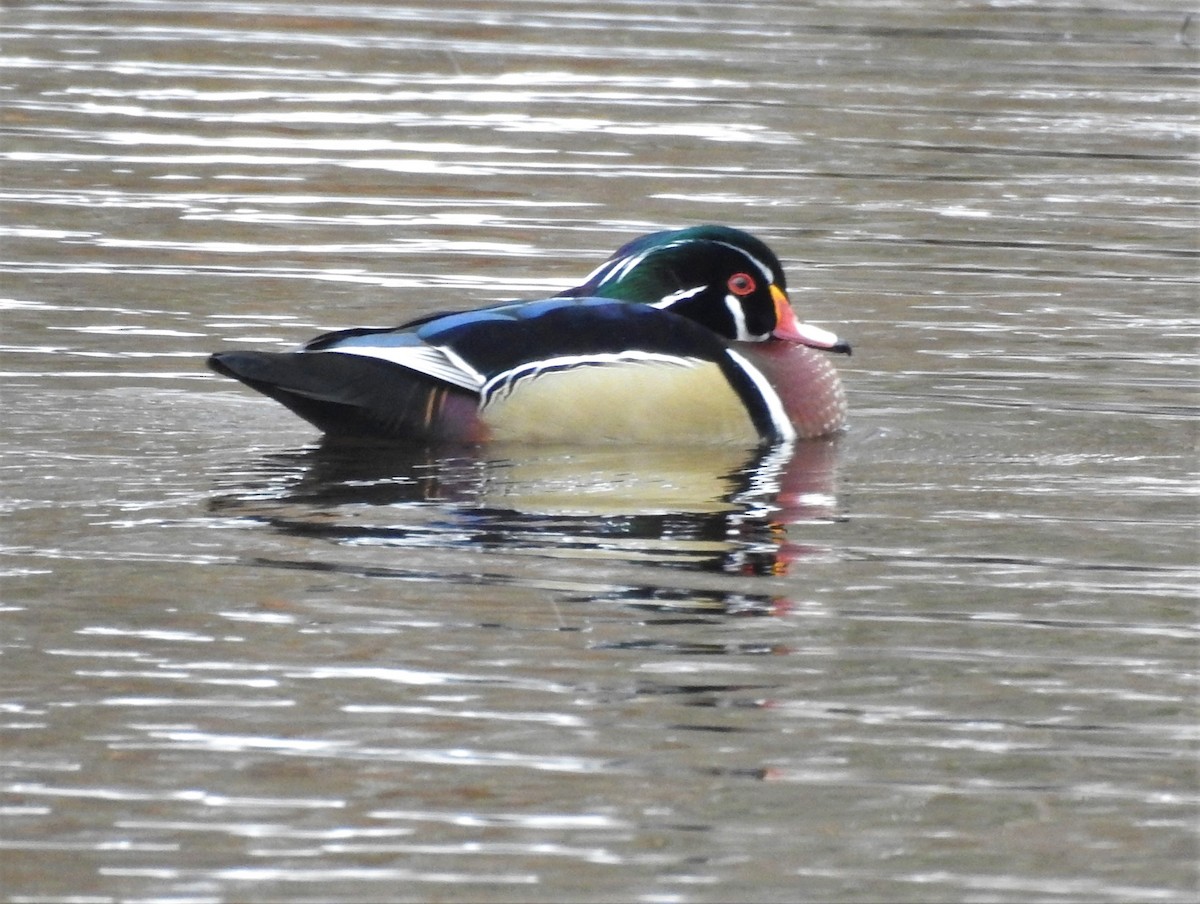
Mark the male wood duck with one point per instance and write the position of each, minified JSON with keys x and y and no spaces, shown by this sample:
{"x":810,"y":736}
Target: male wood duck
{"x":681,"y":336}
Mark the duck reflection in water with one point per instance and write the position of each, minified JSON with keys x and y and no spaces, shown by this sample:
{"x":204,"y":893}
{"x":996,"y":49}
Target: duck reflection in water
{"x":705,"y":510}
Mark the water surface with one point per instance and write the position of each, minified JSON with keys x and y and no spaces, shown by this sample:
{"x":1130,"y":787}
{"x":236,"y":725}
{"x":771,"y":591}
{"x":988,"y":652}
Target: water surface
{"x":949,"y":656}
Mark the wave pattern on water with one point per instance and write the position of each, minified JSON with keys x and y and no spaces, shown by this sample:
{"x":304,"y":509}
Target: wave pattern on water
{"x":949,"y":655}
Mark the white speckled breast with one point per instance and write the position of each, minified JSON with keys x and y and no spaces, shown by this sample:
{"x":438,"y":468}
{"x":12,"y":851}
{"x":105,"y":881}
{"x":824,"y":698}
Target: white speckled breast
{"x":807,"y":383}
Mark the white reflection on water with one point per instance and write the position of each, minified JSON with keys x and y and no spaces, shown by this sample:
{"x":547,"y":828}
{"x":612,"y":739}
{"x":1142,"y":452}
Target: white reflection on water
{"x":293,"y":874}
{"x":964,"y":668}
{"x":203,"y":798}
{"x":722,"y":510}
{"x":354,"y":752}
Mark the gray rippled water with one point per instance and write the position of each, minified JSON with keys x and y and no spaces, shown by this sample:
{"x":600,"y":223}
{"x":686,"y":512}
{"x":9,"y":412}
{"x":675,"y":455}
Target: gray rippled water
{"x":950,"y":655}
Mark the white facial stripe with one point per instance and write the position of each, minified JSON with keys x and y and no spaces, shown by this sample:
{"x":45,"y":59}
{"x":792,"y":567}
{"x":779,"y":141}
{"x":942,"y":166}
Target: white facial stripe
{"x":668,"y":300}
{"x":621,"y":268}
{"x":739,"y":318}
{"x":779,"y":419}
{"x":612,"y":269}
{"x":503,"y":384}
{"x":763,"y":268}
{"x":595,"y":273}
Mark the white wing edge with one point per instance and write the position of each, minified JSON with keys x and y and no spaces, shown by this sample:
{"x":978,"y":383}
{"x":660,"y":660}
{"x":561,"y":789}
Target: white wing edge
{"x":435,"y":361}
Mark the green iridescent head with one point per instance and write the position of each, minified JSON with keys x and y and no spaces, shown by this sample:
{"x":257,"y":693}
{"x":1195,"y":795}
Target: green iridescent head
{"x":721,"y":277}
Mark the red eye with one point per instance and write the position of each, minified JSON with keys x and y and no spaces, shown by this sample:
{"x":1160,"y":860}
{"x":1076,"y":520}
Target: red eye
{"x":741,"y":284}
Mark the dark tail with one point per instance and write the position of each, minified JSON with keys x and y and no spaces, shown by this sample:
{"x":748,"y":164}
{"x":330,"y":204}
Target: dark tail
{"x":353,"y":396}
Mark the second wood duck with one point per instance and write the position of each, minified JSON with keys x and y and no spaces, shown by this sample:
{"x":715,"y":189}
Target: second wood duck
{"x":681,"y":336}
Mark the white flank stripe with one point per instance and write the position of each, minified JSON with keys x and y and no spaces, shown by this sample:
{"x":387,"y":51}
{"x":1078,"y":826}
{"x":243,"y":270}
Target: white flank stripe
{"x":503,"y":384}
{"x":783,"y":425}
